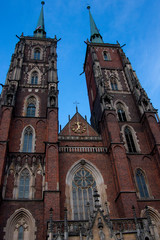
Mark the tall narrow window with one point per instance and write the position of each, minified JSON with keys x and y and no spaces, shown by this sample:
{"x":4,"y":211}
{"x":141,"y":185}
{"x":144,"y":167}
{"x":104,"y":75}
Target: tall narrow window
{"x":28,"y":137}
{"x":24,"y":184}
{"x":37,"y":54}
{"x":142,"y":187}
{"x":114,"y":85}
{"x":34,"y":78}
{"x":129,"y":140}
{"x":83,"y":186}
{"x":31,"y":109}
{"x":121,"y":113}
{"x":20,"y":233}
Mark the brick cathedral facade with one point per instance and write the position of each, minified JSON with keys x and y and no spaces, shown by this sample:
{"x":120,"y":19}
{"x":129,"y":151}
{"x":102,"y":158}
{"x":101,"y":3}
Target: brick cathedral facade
{"x":98,"y":181}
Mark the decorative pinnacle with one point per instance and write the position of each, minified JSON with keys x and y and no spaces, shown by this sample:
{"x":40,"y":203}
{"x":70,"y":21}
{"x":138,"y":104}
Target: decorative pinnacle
{"x":42,"y":2}
{"x":88,"y":7}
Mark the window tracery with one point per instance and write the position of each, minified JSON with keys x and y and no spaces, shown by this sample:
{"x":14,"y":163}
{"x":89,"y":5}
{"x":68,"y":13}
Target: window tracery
{"x":24,"y":184}
{"x":20,"y":226}
{"x":82,"y":178}
{"x":83,"y":186}
{"x":34,"y":78}
{"x":31,"y":107}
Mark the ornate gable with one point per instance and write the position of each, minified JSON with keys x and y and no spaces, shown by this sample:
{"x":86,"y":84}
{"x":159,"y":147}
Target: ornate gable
{"x":78,"y":126}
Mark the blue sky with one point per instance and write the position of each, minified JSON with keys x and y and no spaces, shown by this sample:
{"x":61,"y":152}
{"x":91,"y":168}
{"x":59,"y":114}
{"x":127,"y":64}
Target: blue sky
{"x":135,"y":23}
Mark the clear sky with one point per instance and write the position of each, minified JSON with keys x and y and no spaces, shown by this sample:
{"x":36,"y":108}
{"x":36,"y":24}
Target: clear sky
{"x":135,"y":23}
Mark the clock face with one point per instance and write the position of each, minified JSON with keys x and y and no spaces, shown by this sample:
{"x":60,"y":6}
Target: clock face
{"x":78,"y":127}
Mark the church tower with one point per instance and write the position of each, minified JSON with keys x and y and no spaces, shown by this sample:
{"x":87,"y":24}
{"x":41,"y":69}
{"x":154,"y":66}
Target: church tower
{"x":29,"y":136}
{"x":123,"y":115}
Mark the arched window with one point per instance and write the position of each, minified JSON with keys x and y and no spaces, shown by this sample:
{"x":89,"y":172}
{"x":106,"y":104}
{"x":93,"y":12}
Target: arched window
{"x":37,"y":54}
{"x":24,"y":185}
{"x":121,"y":113}
{"x":83,"y":185}
{"x":114,"y":85}
{"x":20,"y":226}
{"x":106,"y":56}
{"x":129,"y":140}
{"x":21,"y":233}
{"x":28,"y":138}
{"x":141,"y":183}
{"x":31,"y":107}
{"x":34,"y":78}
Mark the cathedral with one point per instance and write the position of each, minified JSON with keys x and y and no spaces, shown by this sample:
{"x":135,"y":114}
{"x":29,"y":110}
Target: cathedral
{"x":97,"y":181}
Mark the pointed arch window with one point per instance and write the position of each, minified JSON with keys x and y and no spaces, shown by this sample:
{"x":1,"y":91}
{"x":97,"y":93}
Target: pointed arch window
{"x":83,"y":186}
{"x":28,"y":138}
{"x":121,"y":113}
{"x":129,"y":140}
{"x":20,"y":226}
{"x":24,"y":182}
{"x":141,"y":183}
{"x":34,"y":78}
{"x":114,"y":85}
{"x":31,"y":107}
{"x":37,"y":54}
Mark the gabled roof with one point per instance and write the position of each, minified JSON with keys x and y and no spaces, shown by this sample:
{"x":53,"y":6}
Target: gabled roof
{"x":78,"y":126}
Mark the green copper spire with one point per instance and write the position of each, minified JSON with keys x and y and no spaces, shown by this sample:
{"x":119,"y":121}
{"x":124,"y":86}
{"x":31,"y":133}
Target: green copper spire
{"x":40,"y":29}
{"x":95,"y":35}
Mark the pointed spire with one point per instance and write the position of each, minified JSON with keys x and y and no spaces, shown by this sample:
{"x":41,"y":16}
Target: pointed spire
{"x":95,"y":35}
{"x":40,"y":29}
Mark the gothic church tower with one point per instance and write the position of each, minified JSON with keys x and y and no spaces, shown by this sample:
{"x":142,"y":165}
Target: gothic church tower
{"x":129,"y":125}
{"x":29,"y":135}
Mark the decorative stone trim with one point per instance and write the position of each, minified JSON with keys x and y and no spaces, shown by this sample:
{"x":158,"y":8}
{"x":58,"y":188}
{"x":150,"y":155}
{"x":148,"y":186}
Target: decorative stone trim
{"x":67,"y":149}
{"x":21,"y":217}
{"x":17,"y":162}
{"x":155,"y":219}
{"x":33,"y":140}
{"x":112,"y":75}
{"x":35,"y":69}
{"x":135,"y":138}
{"x":79,"y":138}
{"x":31,"y":183}
{"x":97,"y":176}
{"x":41,"y":52}
{"x":25,"y":105}
{"x":125,"y":108}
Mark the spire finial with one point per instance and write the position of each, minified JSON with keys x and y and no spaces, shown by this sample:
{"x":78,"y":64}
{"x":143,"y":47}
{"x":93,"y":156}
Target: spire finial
{"x":40,"y":29}
{"x":95,"y":35}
